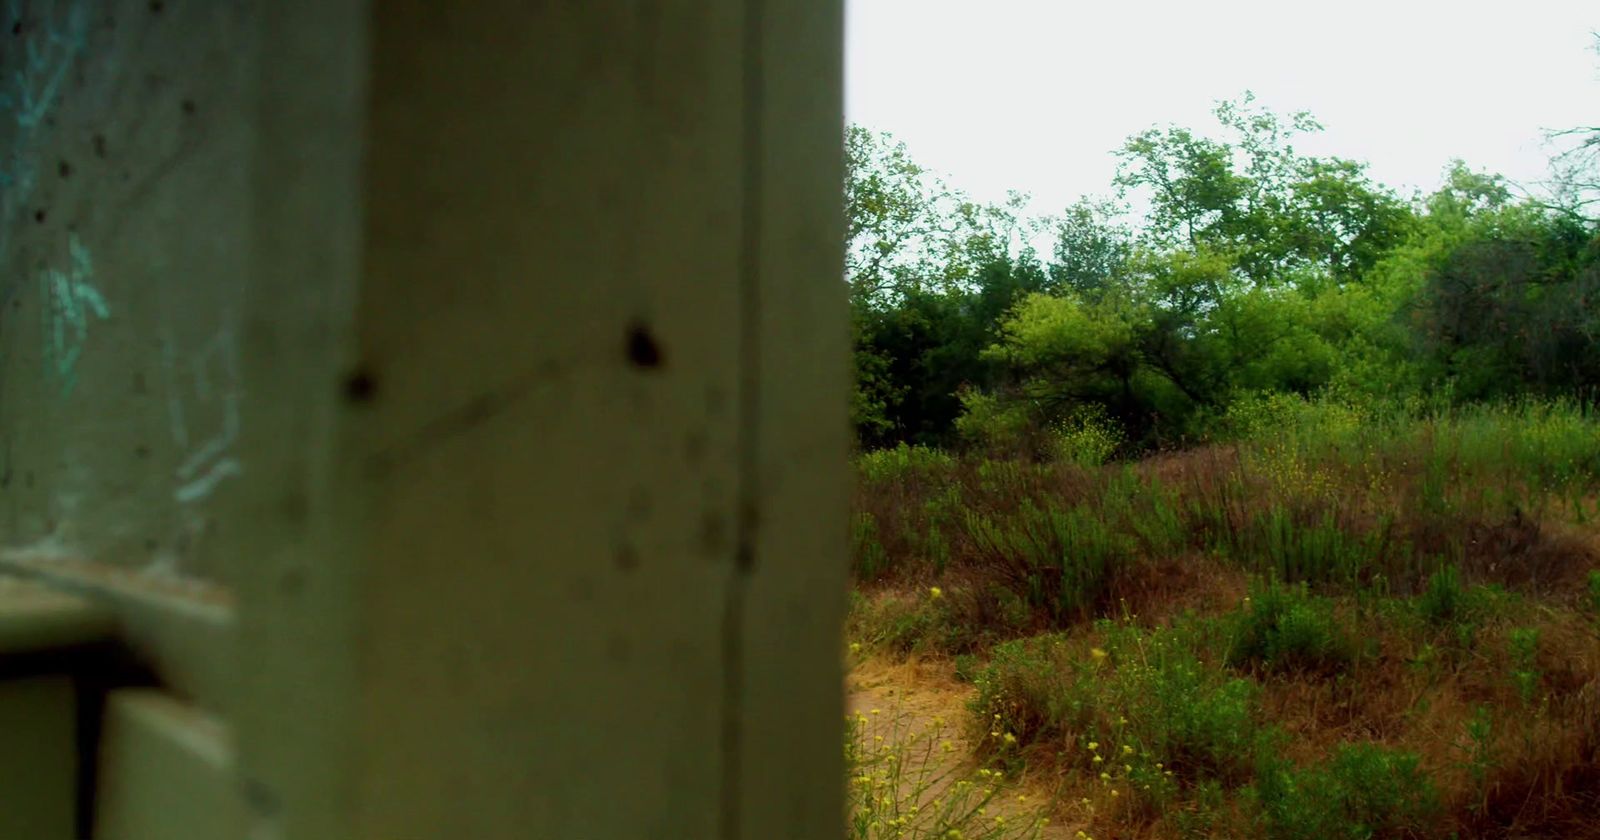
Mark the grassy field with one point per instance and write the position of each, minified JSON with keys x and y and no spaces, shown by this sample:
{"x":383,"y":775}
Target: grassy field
{"x":1337,"y":625}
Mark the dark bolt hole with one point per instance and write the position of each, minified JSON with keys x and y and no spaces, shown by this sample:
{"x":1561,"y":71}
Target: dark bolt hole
{"x":360,"y":387}
{"x":643,"y":350}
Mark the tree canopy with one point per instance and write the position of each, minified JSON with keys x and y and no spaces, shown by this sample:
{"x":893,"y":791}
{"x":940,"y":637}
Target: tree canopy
{"x":1225,"y":264}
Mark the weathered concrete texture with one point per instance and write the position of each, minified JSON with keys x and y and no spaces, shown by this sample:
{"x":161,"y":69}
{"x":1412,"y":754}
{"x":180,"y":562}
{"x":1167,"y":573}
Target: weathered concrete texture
{"x":126,"y":131}
{"x":566,"y":556}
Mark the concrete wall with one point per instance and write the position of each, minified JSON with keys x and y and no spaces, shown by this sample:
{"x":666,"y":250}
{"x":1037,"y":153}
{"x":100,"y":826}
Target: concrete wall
{"x":489,"y":357}
{"x":126,"y":133}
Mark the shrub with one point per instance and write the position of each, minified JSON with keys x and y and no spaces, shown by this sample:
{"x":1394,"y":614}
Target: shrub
{"x":868,"y":560}
{"x":936,"y":620}
{"x":1144,"y":709}
{"x":1443,"y":601}
{"x":1284,"y":627}
{"x":1523,"y":645}
{"x":1594,"y":590}
{"x":1087,"y":439}
{"x":1063,"y":559}
{"x":902,"y":463}
{"x":1363,"y":791}
{"x":1295,"y":547}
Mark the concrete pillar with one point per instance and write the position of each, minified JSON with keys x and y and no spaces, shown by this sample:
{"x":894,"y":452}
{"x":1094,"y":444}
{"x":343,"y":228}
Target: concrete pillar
{"x":558,"y":548}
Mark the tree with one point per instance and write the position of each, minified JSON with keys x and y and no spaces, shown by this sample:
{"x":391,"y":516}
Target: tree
{"x":1254,"y":196}
{"x":1091,"y":248}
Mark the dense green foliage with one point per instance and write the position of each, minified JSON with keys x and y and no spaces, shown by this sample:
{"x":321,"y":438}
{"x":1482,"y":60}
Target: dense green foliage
{"x":1251,"y":269}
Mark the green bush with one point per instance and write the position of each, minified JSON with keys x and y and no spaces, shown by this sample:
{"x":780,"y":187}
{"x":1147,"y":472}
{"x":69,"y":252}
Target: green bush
{"x":868,"y":560}
{"x":1363,"y":791}
{"x":1523,"y":646}
{"x":903,"y":462}
{"x":1144,"y":710}
{"x":1087,"y":439}
{"x":1295,"y":547}
{"x":1444,"y":599}
{"x":1285,"y":627}
{"x":1594,"y":590}
{"x":1063,"y":559}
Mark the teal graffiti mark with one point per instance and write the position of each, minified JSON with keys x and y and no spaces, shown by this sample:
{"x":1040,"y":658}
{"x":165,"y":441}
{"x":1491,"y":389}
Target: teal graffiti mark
{"x":69,"y":302}
{"x":28,"y":96}
{"x":46,"y":66}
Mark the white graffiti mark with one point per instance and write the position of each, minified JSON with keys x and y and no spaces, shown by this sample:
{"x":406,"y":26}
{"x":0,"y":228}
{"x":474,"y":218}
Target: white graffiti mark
{"x":207,"y":397}
{"x":68,"y":302}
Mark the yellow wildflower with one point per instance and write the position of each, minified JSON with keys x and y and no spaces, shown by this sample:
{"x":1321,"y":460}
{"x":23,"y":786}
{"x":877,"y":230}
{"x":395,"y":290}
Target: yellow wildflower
{"x":935,"y":593}
{"x":1097,"y":653}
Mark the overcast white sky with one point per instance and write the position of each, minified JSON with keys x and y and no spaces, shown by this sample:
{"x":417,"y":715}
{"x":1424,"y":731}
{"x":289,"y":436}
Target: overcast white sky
{"x":1034,"y":94}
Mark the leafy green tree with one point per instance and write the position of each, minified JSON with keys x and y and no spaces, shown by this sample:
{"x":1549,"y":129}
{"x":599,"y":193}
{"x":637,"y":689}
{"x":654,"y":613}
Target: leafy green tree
{"x":1254,"y":196}
{"x":1091,"y":247}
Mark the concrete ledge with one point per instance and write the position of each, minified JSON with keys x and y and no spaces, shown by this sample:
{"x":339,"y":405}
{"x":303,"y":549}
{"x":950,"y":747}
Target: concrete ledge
{"x":165,"y":772}
{"x":182,"y":629}
{"x":35,"y":618}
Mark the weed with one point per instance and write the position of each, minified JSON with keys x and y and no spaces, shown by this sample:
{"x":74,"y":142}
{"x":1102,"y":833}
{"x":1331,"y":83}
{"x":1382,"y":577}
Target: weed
{"x":1063,"y":559}
{"x":903,"y":463}
{"x":1284,"y":627}
{"x":1087,"y":439}
{"x":1478,"y":753}
{"x":1443,"y":601}
{"x":1143,"y":710}
{"x":1523,"y":644}
{"x":1363,"y":791}
{"x":869,"y":560}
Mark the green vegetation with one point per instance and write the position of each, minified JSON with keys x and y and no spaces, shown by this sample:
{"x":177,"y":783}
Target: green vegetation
{"x":1362,"y":791}
{"x":1254,"y":271}
{"x":1272,"y":512}
{"x":1331,"y":622}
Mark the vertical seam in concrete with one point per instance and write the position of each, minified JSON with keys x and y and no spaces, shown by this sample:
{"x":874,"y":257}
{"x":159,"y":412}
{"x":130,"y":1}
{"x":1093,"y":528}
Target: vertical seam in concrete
{"x":749,"y":429}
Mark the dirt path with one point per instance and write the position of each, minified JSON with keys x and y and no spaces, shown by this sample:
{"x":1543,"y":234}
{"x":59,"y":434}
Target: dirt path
{"x":901,"y":699}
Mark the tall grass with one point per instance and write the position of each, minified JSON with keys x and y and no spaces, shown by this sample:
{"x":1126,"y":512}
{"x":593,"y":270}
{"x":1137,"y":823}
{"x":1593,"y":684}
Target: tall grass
{"x":1307,"y":491}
